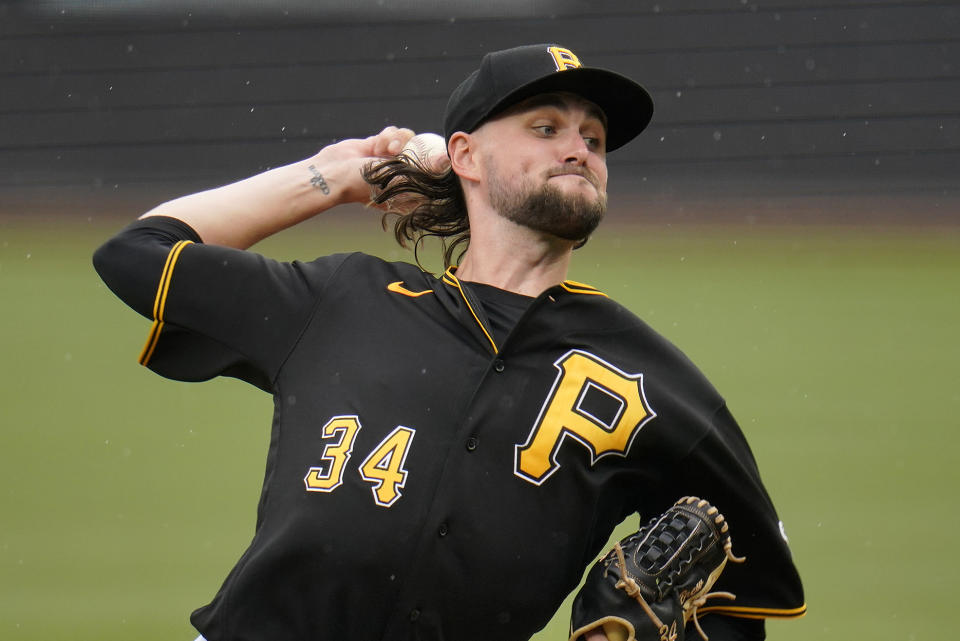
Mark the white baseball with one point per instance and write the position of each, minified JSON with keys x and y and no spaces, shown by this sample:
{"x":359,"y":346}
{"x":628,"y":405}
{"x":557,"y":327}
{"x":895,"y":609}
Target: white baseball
{"x":429,"y":149}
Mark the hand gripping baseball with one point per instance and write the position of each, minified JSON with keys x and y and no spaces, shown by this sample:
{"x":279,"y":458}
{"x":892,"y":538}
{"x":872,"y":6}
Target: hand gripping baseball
{"x":651,"y":584}
{"x":429,"y":150}
{"x":410,"y":178}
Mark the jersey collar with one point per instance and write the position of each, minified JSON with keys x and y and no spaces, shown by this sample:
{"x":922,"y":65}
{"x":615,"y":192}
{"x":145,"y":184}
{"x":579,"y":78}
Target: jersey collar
{"x":465,"y":306}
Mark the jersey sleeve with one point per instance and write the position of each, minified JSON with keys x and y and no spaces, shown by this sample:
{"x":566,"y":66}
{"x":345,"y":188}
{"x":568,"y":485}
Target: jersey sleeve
{"x":215,"y":310}
{"x":721,"y":468}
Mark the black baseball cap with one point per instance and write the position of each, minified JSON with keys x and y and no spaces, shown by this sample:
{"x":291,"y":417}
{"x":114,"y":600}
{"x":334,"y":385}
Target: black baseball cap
{"x":509,"y":76}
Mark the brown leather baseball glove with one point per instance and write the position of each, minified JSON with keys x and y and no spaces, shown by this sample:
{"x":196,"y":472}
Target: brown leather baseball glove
{"x":649,"y":586}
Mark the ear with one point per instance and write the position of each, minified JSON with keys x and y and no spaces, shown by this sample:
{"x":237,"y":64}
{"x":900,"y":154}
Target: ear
{"x":464,"y":160}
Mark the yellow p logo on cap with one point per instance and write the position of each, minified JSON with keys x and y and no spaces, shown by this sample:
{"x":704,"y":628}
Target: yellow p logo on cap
{"x":564,"y":58}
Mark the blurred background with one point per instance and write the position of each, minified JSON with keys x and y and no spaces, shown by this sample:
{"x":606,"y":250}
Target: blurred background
{"x":791,"y":219}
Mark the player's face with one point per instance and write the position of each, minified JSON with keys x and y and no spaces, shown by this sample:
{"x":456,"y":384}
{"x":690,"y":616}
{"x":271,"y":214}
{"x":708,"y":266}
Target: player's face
{"x":547,"y":167}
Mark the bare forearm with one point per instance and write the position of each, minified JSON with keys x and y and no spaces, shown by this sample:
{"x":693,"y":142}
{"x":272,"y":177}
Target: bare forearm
{"x":245,"y":212}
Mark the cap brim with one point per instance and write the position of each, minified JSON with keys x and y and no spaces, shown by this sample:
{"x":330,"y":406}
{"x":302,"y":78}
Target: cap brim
{"x":626,"y":104}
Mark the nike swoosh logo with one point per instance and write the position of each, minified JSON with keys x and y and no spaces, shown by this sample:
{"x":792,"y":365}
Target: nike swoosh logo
{"x":398,"y":288}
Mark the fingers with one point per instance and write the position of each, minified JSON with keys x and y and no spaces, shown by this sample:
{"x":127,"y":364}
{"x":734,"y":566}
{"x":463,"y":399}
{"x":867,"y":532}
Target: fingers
{"x":390,"y":141}
{"x":595,"y":634}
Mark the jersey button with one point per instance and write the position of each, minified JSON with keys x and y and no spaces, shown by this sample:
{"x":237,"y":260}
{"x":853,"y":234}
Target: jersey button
{"x":472,"y":443}
{"x":498,"y":365}
{"x":414,"y":614}
{"x":444,"y":529}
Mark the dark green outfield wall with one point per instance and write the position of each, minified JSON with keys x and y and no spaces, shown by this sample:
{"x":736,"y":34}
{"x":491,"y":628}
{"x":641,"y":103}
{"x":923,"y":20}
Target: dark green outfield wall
{"x":781,"y":100}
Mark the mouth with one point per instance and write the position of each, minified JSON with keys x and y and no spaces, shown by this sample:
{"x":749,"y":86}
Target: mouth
{"x":581,"y":172}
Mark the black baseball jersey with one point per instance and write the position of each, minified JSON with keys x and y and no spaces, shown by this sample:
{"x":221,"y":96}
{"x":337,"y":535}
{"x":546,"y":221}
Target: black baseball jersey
{"x":428,"y":476}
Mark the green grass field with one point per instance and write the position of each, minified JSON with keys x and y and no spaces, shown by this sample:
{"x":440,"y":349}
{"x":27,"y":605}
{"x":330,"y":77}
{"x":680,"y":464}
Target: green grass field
{"x":126,"y":498}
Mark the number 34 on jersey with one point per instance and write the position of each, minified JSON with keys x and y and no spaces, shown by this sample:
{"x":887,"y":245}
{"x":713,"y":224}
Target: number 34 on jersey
{"x":384,"y":467}
{"x":591,"y":401}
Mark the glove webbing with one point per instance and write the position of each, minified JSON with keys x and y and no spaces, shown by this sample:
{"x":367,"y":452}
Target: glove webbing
{"x":692,"y":601}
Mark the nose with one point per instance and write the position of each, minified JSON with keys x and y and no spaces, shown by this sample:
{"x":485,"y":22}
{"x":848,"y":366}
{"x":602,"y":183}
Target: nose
{"x":575,"y":149}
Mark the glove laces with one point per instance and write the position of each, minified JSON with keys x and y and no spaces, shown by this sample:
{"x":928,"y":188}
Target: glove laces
{"x":690,"y":601}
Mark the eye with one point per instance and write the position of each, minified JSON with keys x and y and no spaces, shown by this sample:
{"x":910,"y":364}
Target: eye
{"x":545,"y":130}
{"x":595,"y":139}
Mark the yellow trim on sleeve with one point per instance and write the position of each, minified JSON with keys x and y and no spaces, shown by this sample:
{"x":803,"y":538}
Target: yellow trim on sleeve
{"x":160,"y":302}
{"x":755,"y":613}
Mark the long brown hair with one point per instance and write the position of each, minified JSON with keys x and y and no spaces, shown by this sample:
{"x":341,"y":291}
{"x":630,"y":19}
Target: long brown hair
{"x":425,"y":204}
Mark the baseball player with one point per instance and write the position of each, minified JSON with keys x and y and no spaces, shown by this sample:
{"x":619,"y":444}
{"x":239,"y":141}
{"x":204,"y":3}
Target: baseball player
{"x":448,"y":453}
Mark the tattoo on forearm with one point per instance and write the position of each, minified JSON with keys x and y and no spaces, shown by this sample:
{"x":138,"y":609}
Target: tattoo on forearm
{"x":318,"y":181}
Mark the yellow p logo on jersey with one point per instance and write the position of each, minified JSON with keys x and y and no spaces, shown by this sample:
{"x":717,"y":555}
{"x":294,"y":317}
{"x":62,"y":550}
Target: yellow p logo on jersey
{"x":568,"y":412}
{"x":564,"y":58}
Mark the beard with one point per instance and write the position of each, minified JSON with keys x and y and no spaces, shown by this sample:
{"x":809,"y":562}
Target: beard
{"x":548,"y":209}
